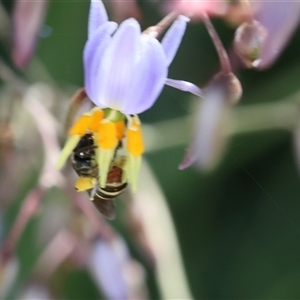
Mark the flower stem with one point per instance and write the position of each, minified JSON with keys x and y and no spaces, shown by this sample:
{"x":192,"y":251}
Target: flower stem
{"x":77,"y":101}
{"x":28,"y":209}
{"x":161,"y":26}
{"x":281,"y":115}
{"x":223,"y":56}
{"x":249,"y":17}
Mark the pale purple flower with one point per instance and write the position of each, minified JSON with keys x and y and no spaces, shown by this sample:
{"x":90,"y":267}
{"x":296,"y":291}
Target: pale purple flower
{"x":210,"y":136}
{"x":109,"y":264}
{"x":27,"y":19}
{"x":126,"y":69}
{"x":280,"y":18}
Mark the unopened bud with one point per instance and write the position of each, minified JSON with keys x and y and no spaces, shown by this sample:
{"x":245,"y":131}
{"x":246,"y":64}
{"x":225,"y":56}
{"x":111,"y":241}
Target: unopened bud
{"x":248,"y":42}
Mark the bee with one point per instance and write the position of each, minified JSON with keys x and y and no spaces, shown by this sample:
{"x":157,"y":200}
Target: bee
{"x":85,"y":165}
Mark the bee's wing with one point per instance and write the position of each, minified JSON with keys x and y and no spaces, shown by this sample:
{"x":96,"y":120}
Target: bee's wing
{"x":106,"y":207}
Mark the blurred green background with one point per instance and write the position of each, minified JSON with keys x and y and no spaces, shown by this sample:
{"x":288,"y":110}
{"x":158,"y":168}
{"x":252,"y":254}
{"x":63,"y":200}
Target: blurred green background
{"x":238,"y":225}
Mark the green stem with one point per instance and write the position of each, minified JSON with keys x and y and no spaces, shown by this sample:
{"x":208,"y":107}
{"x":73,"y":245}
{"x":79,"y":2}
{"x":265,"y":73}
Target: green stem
{"x":283,"y":115}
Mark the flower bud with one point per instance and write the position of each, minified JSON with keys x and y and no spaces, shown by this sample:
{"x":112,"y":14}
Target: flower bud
{"x":248,"y":42}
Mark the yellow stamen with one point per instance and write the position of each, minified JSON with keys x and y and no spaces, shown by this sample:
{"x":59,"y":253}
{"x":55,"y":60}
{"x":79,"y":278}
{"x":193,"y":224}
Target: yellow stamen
{"x":81,"y":125}
{"x":85,"y":183}
{"x":135,"y":144}
{"x":70,"y":144}
{"x":107,"y":141}
{"x":107,"y":135}
{"x":120,"y":126}
{"x":97,"y":117}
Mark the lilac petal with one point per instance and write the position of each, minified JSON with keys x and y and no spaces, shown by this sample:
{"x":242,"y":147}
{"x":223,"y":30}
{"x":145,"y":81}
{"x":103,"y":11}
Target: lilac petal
{"x":280,"y":19}
{"x":185,"y":86}
{"x":116,"y":71}
{"x":210,"y":138}
{"x":150,"y":73}
{"x":92,"y":55}
{"x":28,"y":17}
{"x":173,"y":37}
{"x":107,"y":262}
{"x":97,"y":16}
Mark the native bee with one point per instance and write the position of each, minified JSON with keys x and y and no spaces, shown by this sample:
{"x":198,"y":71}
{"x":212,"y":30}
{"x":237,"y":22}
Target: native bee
{"x":84,"y":163}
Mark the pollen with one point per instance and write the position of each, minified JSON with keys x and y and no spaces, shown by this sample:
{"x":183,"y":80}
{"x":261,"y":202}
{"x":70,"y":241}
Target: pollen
{"x":135,"y":144}
{"x":81,"y":125}
{"x":97,"y":117}
{"x":120,"y":126}
{"x":107,"y":135}
{"x":85,"y":183}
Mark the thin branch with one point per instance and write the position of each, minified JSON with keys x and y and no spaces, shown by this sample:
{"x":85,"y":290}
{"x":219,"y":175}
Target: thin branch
{"x":282,"y":115}
{"x":223,"y":56}
{"x":249,"y":17}
{"x":55,"y":253}
{"x":10,"y":77}
{"x":27,"y":211}
{"x":77,"y":101}
{"x":101,"y":227}
{"x":46,"y":126}
{"x":160,"y":27}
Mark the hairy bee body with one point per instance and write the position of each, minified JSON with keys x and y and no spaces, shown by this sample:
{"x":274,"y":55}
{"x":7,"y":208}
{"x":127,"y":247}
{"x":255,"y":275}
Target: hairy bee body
{"x":84,"y":163}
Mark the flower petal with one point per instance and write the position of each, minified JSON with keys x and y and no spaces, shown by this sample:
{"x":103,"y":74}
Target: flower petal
{"x":150,"y":73}
{"x":210,"y":140}
{"x":280,"y":19}
{"x":196,"y":8}
{"x":184,"y":86}
{"x":28,"y":17}
{"x":92,"y":55}
{"x":116,"y":71}
{"x":107,"y":261}
{"x":97,"y":16}
{"x":173,"y":37}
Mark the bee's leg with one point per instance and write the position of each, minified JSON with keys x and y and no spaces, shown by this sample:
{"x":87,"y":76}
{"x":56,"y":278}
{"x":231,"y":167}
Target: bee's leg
{"x":84,"y":183}
{"x":94,"y":191}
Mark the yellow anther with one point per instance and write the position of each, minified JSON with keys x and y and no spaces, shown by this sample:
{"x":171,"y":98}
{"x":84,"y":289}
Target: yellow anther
{"x":85,"y":183}
{"x":81,"y":125}
{"x":135,"y":144}
{"x":97,"y":117}
{"x":120,"y":126}
{"x":107,"y":138}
